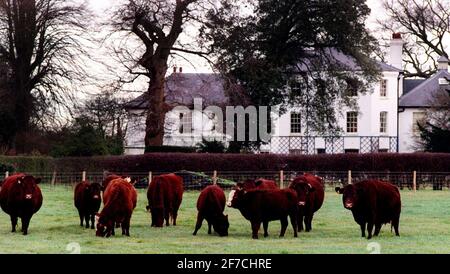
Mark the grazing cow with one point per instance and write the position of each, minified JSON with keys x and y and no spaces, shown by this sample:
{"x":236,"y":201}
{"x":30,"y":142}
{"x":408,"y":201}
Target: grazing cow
{"x":257,"y":184}
{"x":164,"y":195}
{"x":21,"y":197}
{"x":126,"y":178}
{"x":265,"y":205}
{"x":372,"y":202}
{"x":210,"y":205}
{"x":119,"y":198}
{"x":310,"y":194}
{"x":87,"y":199}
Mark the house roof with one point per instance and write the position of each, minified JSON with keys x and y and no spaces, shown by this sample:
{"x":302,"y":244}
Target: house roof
{"x":182,"y":88}
{"x":343,"y":60}
{"x":425,"y":91}
{"x":410,"y":84}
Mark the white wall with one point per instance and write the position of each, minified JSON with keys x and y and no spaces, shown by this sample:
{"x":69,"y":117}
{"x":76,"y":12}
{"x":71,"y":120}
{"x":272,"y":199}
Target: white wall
{"x":407,"y":137}
{"x":370,"y":106}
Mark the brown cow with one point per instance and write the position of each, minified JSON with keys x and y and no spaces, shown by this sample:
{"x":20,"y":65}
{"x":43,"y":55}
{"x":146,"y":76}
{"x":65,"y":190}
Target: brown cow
{"x":111,"y":177}
{"x":21,"y":197}
{"x":310,"y":194}
{"x":372,"y":202}
{"x":264,"y":206}
{"x":210,"y":205}
{"x":257,"y":184}
{"x":120,"y":200}
{"x":87,"y":198}
{"x":164,"y":195}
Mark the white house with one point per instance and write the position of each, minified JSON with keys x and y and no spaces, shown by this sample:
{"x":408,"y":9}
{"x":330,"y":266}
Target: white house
{"x":383,"y":121}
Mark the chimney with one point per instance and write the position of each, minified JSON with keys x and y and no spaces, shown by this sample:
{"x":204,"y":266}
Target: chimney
{"x":395,"y":55}
{"x":181,"y":69}
{"x":442,"y":63}
{"x":174,"y":69}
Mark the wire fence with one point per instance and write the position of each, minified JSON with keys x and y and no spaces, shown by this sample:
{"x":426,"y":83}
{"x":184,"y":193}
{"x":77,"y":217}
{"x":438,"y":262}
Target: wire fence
{"x":227,"y":179}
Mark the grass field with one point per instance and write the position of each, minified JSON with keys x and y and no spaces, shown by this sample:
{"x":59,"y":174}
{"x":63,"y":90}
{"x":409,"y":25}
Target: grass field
{"x":424,"y":228}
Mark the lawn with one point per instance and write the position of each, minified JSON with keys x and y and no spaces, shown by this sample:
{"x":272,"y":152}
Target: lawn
{"x":424,"y":228}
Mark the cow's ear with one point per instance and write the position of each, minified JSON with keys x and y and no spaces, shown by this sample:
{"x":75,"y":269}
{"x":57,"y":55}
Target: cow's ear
{"x":339,"y":190}
{"x":258,"y":182}
{"x":38,"y":180}
{"x":311,"y":188}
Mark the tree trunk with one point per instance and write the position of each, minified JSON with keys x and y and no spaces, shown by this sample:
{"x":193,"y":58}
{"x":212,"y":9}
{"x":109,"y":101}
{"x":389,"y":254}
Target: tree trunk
{"x":156,"y":113}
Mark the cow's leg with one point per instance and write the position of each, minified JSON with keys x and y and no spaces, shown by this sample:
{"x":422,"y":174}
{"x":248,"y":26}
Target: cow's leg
{"x":126,"y":227}
{"x":363,"y":229}
{"x":167,"y":217}
{"x":86,"y":219}
{"x":198,"y":225}
{"x":266,"y":227}
{"x":395,"y":224}
{"x":300,"y":222}
{"x":369,"y":229}
{"x":294,"y":223}
{"x":81,"y":217}
{"x":255,"y":228}
{"x":308,"y":221}
{"x":209,"y":227}
{"x":377,"y":229}
{"x":284,"y":225}
{"x":92,"y":221}
{"x":13,"y":223}
{"x":25,"y":224}
{"x":174,"y":216}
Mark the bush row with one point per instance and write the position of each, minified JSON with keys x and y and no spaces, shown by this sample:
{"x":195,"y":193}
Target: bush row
{"x":164,"y":162}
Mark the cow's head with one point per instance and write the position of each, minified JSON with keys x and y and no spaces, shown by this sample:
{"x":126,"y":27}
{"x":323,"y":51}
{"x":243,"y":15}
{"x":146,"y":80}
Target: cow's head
{"x":94,"y":191}
{"x":235,"y":196}
{"x":351,"y":195}
{"x":221,"y":225}
{"x":28,"y":186}
{"x":303,"y":189}
{"x":104,"y":227}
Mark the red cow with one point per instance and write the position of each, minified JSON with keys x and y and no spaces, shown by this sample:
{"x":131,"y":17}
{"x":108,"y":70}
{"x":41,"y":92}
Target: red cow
{"x":210,"y":205}
{"x":111,"y":177}
{"x":264,"y":206}
{"x":257,"y":184}
{"x":372,"y":202}
{"x":21,"y":197}
{"x":119,"y":198}
{"x":310,"y":194}
{"x":87,"y":198}
{"x":164,"y":195}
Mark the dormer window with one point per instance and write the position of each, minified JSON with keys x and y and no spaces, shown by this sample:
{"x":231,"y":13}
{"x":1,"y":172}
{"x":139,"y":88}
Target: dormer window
{"x":383,"y":88}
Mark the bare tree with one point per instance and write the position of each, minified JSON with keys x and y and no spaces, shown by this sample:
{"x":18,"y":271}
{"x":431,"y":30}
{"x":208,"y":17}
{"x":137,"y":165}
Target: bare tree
{"x":41,"y":44}
{"x":425,"y":25}
{"x":153,"y":28}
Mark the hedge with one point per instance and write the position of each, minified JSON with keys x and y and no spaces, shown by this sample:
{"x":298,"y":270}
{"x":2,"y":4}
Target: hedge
{"x":165,"y":162}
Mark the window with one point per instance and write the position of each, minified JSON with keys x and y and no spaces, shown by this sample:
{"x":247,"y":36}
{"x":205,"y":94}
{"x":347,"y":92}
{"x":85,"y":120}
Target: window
{"x":296,"y":122}
{"x":418,"y":117}
{"x":352,"y":122}
{"x":186,"y":123}
{"x":352,"y":87}
{"x":383,"y":88}
{"x":383,"y":122}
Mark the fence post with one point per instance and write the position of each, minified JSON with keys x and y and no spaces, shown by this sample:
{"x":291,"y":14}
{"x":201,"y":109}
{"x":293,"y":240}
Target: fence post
{"x":349,"y":177}
{"x":6,"y":174}
{"x":150,"y":177}
{"x":215,"y":177}
{"x":83,"y":176}
{"x":104,"y":174}
{"x":281,"y":179}
{"x":53,"y":178}
{"x":414,"y":181}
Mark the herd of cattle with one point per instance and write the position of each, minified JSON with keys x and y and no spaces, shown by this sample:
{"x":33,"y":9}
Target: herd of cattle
{"x":372,"y":202}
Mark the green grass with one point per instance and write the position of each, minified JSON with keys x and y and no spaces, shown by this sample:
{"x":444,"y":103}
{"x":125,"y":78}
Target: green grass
{"x":424,"y":228}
